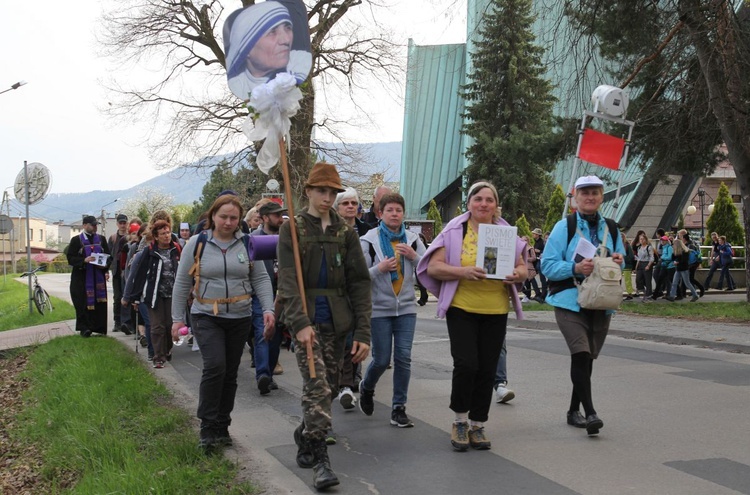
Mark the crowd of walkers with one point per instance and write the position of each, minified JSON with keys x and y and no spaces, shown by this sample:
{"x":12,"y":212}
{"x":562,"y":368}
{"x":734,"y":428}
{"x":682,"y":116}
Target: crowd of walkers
{"x":343,"y":284}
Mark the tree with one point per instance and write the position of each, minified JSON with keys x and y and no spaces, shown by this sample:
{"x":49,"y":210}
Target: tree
{"x":247,"y":183}
{"x":687,"y":63}
{"x":524,"y":229}
{"x":724,"y":218}
{"x":556,"y":207}
{"x":146,"y":201}
{"x":509,"y":112}
{"x":183,"y":40}
{"x":434,"y":214}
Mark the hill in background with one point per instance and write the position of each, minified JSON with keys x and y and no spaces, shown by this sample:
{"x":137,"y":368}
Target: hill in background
{"x":186,"y":184}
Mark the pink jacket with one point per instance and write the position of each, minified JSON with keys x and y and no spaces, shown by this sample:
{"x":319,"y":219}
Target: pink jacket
{"x":451,"y":238}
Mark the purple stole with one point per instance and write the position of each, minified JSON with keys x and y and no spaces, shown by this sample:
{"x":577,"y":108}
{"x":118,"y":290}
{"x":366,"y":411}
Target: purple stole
{"x":95,"y":283}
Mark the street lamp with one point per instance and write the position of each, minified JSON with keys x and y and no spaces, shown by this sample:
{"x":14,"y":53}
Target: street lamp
{"x":13,"y":86}
{"x":103,"y":218}
{"x":701,"y":197}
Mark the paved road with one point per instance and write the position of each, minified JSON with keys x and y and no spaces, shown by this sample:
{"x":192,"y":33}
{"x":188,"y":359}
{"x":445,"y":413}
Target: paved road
{"x":675,"y":417}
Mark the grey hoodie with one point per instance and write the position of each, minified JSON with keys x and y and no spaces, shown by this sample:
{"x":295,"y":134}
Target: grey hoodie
{"x":384,"y":300}
{"x":222,"y":275}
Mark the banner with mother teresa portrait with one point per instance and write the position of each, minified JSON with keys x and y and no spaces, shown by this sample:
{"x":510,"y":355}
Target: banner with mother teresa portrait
{"x":266,"y":39}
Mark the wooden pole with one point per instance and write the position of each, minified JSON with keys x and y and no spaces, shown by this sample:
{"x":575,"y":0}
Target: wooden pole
{"x":295,"y":248}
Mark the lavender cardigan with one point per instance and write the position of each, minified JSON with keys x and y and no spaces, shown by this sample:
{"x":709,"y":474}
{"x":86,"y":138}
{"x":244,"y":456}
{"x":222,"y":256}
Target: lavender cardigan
{"x":451,"y":238}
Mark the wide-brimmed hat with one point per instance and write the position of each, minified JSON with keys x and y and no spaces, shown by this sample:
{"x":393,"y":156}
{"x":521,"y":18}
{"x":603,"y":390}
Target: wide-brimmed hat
{"x":324,"y":175}
{"x":537,"y":231}
{"x":89,"y":219}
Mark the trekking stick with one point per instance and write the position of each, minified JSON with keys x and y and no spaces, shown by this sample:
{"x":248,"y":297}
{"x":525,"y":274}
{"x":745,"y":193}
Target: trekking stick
{"x":295,"y":248}
{"x":137,"y":335}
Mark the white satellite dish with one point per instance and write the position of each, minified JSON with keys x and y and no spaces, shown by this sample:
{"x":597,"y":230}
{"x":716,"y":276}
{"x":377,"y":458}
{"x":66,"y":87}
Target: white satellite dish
{"x":39,"y":183}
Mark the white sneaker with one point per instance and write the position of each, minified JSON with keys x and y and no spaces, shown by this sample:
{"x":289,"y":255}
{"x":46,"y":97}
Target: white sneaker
{"x":346,"y":399}
{"x":503,"y":394}
{"x":525,"y":299}
{"x":195,"y":347}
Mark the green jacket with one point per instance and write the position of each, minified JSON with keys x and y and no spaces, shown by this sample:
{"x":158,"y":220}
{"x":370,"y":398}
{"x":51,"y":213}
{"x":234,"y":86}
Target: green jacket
{"x":348,"y":290}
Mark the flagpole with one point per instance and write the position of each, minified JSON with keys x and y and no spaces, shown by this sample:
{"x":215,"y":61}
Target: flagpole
{"x":295,"y":249}
{"x":621,"y":168}
{"x":568,"y":195}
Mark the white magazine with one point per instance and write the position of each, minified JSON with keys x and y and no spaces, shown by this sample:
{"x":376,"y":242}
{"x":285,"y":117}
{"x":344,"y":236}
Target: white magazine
{"x":100,"y":259}
{"x":496,"y":250}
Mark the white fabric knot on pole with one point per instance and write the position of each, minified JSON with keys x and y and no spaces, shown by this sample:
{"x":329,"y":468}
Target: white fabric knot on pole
{"x":272,"y":104}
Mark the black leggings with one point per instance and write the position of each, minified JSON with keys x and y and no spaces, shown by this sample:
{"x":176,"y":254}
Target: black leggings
{"x":581,"y":366}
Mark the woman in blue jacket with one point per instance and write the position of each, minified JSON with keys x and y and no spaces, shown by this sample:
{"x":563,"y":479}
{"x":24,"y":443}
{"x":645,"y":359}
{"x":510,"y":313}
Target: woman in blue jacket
{"x":584,"y":329}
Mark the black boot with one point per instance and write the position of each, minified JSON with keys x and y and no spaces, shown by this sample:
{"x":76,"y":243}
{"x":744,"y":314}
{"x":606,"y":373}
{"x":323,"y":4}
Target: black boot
{"x":323,"y":475}
{"x":208,"y":441}
{"x":305,"y":458}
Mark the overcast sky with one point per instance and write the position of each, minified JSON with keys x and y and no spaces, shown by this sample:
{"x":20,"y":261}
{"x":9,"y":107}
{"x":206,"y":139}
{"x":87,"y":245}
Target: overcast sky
{"x":54,"y":119}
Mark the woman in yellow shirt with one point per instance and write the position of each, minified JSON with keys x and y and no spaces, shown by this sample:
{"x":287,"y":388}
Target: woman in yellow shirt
{"x":476,"y":309}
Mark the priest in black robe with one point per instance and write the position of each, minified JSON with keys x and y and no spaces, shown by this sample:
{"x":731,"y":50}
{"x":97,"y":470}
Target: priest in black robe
{"x":88,"y":281}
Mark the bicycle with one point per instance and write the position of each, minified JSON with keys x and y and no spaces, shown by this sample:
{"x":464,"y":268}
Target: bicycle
{"x":41,"y":298}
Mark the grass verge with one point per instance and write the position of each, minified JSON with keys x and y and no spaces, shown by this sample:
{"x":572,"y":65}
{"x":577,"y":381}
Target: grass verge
{"x":14,"y":307}
{"x":103,"y":424}
{"x":730,"y":312}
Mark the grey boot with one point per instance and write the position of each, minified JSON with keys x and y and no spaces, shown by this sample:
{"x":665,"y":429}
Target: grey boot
{"x":323,"y":475}
{"x":305,"y":458}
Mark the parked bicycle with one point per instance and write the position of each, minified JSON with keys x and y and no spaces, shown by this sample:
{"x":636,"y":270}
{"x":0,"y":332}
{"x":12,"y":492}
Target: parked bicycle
{"x":41,"y":299}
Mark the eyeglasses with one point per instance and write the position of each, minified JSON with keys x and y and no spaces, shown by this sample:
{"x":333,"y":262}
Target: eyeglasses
{"x":349,"y":203}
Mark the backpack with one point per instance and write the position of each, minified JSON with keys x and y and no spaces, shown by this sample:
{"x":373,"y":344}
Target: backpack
{"x":602,"y":289}
{"x":694,"y":256}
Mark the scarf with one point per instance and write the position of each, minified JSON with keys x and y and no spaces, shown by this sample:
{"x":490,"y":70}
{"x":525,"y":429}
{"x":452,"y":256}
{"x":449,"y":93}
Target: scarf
{"x":386,"y":237}
{"x":95,"y":283}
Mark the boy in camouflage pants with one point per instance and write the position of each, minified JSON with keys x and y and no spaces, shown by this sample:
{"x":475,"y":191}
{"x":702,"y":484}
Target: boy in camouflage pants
{"x":338,"y":298}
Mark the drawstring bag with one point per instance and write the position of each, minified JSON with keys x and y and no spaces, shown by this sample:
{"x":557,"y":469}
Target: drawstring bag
{"x":603,"y":288}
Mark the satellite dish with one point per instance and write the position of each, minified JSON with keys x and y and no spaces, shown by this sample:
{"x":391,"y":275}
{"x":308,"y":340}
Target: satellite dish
{"x":39,"y":183}
{"x":6,"y":224}
{"x":272,"y":185}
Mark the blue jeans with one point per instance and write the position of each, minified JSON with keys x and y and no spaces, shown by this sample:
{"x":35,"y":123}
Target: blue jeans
{"x":726,"y":274}
{"x":266,"y":352}
{"x":391,"y":333}
{"x":501,"y":375}
{"x":685,"y":277}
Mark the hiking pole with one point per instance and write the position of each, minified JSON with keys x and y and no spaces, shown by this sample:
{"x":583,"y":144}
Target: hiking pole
{"x":295,"y":249}
{"x":137,"y":339}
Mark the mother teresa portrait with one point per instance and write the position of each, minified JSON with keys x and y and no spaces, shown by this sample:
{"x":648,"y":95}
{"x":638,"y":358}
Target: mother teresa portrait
{"x":263,"y":40}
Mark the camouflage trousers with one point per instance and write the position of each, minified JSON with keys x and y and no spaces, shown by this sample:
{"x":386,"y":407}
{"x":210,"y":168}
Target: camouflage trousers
{"x":317,"y":393}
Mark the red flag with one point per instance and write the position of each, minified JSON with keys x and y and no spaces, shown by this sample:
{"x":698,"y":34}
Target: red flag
{"x":601,"y":149}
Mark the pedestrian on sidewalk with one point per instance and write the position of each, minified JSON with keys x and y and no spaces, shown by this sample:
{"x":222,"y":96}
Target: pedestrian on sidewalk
{"x":584,"y":329}
{"x":88,"y":280}
{"x":726,"y":255}
{"x":682,"y":270}
{"x":337,"y":296}
{"x":392,"y":254}
{"x":222,"y":280}
{"x":644,"y":263}
{"x":476,"y":310}
{"x":153,"y":283}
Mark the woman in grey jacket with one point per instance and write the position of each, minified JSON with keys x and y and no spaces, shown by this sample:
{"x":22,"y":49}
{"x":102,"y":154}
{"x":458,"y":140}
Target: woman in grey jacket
{"x":223,"y":280}
{"x":392,"y":254}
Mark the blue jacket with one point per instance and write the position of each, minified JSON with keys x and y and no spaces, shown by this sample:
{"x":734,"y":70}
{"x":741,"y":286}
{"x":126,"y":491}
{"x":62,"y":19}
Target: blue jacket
{"x":557,"y":260}
{"x":667,"y":256}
